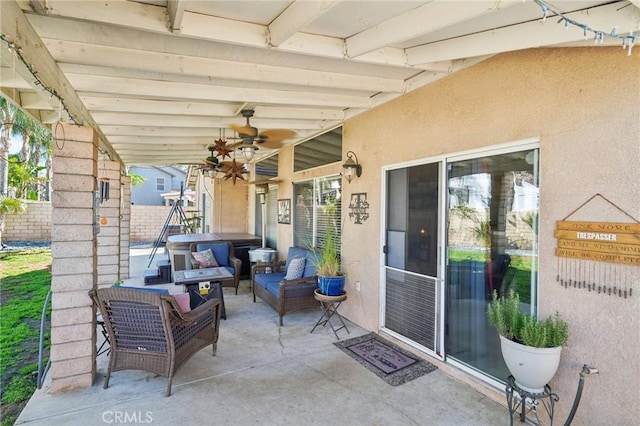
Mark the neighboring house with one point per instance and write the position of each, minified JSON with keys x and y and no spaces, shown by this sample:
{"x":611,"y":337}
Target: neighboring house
{"x":161,"y":187}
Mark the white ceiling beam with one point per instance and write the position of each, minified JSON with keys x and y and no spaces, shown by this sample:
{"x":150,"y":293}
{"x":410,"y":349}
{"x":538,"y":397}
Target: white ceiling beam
{"x":204,"y":27}
{"x":118,"y":141}
{"x":131,"y":119}
{"x":17,"y":29}
{"x":158,"y":131}
{"x":97,"y":55}
{"x":186,"y":91}
{"x":527,"y":35}
{"x":120,"y":13}
{"x":40,"y":6}
{"x":150,"y":106}
{"x":428,"y":18}
{"x":154,"y":106}
{"x":175,"y":12}
{"x":295,"y":18}
{"x":32,"y":100}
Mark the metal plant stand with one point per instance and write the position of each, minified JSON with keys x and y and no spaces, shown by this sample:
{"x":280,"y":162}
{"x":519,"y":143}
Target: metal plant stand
{"x":547,"y":399}
{"x":330,"y":305}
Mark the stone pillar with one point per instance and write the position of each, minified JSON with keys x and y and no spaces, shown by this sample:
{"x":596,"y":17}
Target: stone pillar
{"x":73,"y":248}
{"x":125,"y":225}
{"x":109,"y":236}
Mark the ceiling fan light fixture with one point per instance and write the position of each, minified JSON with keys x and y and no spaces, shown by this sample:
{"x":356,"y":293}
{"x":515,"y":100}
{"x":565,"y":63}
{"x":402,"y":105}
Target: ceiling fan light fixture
{"x":248,"y":152}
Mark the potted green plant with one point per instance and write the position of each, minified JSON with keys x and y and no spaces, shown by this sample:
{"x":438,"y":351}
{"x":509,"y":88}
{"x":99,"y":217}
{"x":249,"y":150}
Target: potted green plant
{"x":530,"y":347}
{"x":328,"y":267}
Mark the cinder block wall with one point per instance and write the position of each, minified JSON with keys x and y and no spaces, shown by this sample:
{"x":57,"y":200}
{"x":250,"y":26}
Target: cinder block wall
{"x":32,"y":225}
{"x":147,"y":221}
{"x":35,"y":223}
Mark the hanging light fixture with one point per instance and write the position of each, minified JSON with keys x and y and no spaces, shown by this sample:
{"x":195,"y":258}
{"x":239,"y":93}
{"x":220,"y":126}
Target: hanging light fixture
{"x":248,"y":151}
{"x":351,"y":168}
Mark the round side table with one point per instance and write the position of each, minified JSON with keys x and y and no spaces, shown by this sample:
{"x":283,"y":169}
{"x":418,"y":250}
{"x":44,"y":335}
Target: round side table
{"x":330,"y":305}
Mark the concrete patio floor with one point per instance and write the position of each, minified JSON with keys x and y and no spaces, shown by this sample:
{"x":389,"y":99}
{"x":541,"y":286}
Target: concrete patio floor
{"x":264,"y":374}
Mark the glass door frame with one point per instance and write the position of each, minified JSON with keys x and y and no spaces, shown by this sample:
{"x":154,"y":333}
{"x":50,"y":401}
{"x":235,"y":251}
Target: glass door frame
{"x":444,"y":160}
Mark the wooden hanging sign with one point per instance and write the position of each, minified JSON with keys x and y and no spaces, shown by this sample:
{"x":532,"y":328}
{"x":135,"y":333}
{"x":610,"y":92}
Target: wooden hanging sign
{"x":606,"y":227}
{"x":599,"y":241}
{"x":605,"y":237}
{"x":598,"y":256}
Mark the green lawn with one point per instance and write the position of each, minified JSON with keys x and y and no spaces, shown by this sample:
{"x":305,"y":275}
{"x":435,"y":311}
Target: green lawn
{"x":25,"y":280}
{"x":518,"y":277}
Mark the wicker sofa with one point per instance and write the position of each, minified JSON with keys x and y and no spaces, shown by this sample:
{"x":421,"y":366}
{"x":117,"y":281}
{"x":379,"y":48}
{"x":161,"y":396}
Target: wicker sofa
{"x":286,"y":295}
{"x":148,"y":330}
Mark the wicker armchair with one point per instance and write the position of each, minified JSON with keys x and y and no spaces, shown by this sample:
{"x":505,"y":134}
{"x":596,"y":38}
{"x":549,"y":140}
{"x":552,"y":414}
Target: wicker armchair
{"x":148,"y":331}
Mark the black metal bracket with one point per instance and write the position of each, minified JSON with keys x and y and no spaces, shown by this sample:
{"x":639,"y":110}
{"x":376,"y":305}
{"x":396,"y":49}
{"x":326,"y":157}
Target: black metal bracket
{"x":546,"y":398}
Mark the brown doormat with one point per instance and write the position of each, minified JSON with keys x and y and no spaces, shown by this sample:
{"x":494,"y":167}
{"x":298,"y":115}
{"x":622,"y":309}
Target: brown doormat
{"x":386,"y":360}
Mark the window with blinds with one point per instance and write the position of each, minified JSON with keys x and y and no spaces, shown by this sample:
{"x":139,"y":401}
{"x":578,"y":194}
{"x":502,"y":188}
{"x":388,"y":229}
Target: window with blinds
{"x":317,"y":208}
{"x":265,"y":169}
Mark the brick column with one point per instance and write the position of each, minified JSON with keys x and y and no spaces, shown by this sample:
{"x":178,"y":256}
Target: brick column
{"x":109,"y":236}
{"x":125,"y":226}
{"x":73,"y":248}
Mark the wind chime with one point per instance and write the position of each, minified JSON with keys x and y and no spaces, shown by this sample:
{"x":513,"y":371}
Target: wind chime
{"x":103,"y":191}
{"x":598,"y":256}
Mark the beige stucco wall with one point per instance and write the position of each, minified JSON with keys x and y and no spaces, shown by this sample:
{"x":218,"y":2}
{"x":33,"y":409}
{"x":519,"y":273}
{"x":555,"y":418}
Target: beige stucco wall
{"x":584,"y":105}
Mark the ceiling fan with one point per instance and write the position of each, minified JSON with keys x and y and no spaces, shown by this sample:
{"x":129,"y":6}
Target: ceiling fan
{"x":272,"y":138}
{"x":230,"y":169}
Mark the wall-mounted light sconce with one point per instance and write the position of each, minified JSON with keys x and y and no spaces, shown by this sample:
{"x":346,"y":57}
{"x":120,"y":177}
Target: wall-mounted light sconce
{"x":351,"y":168}
{"x":262,"y":190}
{"x":248,"y":151}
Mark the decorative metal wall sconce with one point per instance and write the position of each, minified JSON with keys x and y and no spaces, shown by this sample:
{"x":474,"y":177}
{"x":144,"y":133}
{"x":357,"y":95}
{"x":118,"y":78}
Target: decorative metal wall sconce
{"x":351,"y":167}
{"x":359,"y":207}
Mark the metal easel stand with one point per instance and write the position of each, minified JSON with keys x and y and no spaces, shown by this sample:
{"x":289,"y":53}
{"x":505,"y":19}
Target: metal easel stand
{"x":176,"y":208}
{"x":546,"y":399}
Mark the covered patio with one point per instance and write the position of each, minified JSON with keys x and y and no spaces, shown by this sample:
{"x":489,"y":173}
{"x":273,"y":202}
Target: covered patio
{"x":265,"y":374}
{"x":449,"y":108}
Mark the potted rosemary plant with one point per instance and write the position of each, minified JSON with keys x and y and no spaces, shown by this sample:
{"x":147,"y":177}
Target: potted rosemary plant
{"x":530,"y":347}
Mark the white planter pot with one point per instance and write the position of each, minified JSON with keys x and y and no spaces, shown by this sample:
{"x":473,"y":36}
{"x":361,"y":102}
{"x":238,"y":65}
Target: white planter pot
{"x":532,"y":368}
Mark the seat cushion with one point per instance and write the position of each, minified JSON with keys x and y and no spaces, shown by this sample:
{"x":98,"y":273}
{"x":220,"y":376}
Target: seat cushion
{"x":150,"y":289}
{"x":205,"y":258}
{"x":310,"y":265}
{"x":295,"y":253}
{"x":220,"y":251}
{"x":183,"y":300}
{"x":270,"y":281}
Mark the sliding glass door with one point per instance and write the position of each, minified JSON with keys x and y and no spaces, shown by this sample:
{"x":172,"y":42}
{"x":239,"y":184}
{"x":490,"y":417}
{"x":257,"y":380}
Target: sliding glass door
{"x":491,"y":247}
{"x":456,"y":231}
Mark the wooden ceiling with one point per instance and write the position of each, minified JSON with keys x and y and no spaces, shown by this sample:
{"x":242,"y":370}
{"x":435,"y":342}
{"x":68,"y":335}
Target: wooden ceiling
{"x":159,"y":80}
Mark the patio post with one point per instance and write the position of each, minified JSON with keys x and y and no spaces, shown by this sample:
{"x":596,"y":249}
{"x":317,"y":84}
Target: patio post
{"x":74,"y":263}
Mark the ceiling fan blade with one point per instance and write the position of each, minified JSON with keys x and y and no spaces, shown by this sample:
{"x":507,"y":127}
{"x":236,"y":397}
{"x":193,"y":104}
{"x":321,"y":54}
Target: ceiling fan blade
{"x":273,"y":138}
{"x":234,"y":145}
{"x":244,"y":130}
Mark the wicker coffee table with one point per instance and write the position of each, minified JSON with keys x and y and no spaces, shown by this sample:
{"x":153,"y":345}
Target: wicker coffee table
{"x":330,"y":305}
{"x":203,"y":284}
